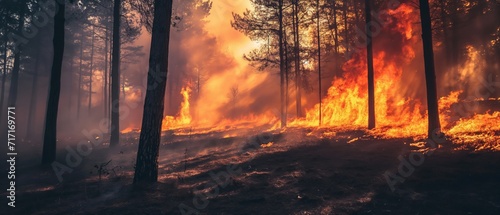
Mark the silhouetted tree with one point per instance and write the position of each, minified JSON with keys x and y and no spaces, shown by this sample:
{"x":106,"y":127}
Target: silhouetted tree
{"x":369,"y":55}
{"x":115,"y":77}
{"x":282,"y":65}
{"x":298,"y":71}
{"x":146,"y":169}
{"x":318,"y":37}
{"x":14,"y":80}
{"x":50,"y":135}
{"x":430,"y":75}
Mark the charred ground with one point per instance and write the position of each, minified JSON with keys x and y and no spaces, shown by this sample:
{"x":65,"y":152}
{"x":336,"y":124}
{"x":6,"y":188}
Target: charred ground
{"x":294,"y":171}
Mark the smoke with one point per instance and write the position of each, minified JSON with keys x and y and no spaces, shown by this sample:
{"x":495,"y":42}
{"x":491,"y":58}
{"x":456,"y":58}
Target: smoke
{"x":206,"y":55}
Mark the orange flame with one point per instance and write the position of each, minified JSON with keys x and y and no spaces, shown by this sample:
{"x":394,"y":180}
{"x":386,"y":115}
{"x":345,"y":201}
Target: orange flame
{"x":183,"y":119}
{"x":345,"y":104}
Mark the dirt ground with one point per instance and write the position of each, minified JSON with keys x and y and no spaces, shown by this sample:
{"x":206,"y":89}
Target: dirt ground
{"x":297,"y":171}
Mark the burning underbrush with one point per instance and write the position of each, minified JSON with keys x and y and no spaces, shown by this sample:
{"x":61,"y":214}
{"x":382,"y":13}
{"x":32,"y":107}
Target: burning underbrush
{"x":469,"y":116}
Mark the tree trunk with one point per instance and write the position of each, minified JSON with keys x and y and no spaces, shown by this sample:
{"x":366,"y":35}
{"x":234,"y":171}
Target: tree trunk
{"x":79,"y":95}
{"x":115,"y":77}
{"x":455,"y":43}
{"x":146,"y":169}
{"x":14,"y":80}
{"x":371,"y":84}
{"x":91,"y":70}
{"x":4,"y":76}
{"x":50,"y":136}
{"x":33,"y":97}
{"x":282,"y":65}
{"x":346,"y":7}
{"x":336,"y":29}
{"x":110,"y":69}
{"x":319,"y":59}
{"x":430,"y":75}
{"x":287,"y":71}
{"x":105,"y":84}
{"x":297,"y":60}
{"x":70,"y":91}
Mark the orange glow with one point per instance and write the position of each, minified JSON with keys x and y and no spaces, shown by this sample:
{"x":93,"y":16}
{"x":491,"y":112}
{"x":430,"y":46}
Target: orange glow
{"x":345,"y":106}
{"x":346,"y":101}
{"x":183,"y":119}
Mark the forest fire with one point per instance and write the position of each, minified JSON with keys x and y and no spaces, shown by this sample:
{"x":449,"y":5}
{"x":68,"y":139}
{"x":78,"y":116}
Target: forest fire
{"x":345,"y":105}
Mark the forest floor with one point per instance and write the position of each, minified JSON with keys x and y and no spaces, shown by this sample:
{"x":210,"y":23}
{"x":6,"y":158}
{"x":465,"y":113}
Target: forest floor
{"x":247,"y":171}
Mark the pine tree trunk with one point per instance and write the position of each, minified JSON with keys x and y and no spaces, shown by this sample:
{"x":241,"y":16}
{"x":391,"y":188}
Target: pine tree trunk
{"x":91,"y":71}
{"x":319,"y":59}
{"x":336,"y":29}
{"x":115,"y":77}
{"x":287,"y":71}
{"x":105,"y":84}
{"x":14,"y":80}
{"x":70,"y":91}
{"x":371,"y":84}
{"x":282,"y":65}
{"x":50,"y":136}
{"x":146,"y":170}
{"x":79,"y":95}
{"x":346,"y":7}
{"x":33,"y":97}
{"x":4,"y":76}
{"x":110,"y":55}
{"x":434,"y":126}
{"x":455,"y":43}
{"x":298,"y":74}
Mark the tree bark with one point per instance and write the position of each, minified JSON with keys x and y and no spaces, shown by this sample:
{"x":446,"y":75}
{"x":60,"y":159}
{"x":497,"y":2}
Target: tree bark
{"x":319,"y":59}
{"x":287,"y":71}
{"x":298,"y":81}
{"x":371,"y":84}
{"x":282,"y":65}
{"x":336,"y":29}
{"x":434,"y":126}
{"x":146,"y":170}
{"x":346,"y":7}
{"x":33,"y":97}
{"x":50,"y":136}
{"x":91,"y":71}
{"x":4,"y":76}
{"x":14,"y":80}
{"x":105,"y":85}
{"x":115,"y":77}
{"x":79,"y":95}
